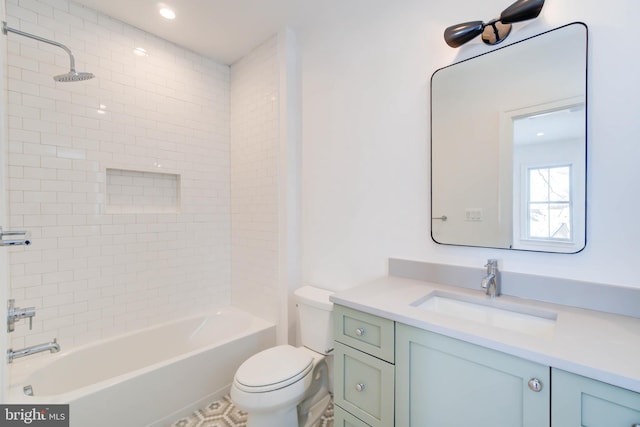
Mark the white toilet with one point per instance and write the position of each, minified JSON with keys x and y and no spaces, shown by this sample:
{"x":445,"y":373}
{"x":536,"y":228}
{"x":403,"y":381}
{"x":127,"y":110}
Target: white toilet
{"x":288,"y":386}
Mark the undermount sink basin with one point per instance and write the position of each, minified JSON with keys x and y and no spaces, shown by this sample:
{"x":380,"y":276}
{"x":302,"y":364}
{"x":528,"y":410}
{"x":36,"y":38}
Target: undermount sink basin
{"x":495,"y":313}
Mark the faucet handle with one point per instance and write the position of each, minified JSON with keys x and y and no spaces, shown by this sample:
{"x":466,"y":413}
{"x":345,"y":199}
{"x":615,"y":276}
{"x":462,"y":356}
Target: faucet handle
{"x":490,"y":281}
{"x":492,"y":265}
{"x":30,"y":312}
{"x":16,"y":313}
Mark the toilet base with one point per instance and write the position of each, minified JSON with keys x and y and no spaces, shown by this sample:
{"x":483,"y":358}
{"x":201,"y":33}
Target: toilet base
{"x":316,"y":411}
{"x":285,"y":418}
{"x":289,"y":418}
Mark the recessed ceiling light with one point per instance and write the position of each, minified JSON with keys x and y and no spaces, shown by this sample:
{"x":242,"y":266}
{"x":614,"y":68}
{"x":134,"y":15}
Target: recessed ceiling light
{"x":167,"y":13}
{"x":540,"y":134}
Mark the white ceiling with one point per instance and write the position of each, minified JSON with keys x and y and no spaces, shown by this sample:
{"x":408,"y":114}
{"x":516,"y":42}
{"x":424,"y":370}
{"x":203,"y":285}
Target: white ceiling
{"x":224,"y":30}
{"x":560,"y":125}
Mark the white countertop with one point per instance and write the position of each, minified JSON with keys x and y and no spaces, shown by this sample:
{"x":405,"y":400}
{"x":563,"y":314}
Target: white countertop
{"x":595,"y":344}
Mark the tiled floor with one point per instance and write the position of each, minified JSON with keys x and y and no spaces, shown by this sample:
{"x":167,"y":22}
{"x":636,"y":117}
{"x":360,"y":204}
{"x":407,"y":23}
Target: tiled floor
{"x":223,"y":413}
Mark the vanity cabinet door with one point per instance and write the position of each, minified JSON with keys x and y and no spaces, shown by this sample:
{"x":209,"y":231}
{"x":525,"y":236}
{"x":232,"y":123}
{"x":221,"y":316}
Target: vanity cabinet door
{"x":444,"y":382}
{"x":579,"y":401}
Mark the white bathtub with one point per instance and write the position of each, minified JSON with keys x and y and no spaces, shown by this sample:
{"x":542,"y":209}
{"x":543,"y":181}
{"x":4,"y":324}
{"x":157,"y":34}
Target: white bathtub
{"x":146,"y":378}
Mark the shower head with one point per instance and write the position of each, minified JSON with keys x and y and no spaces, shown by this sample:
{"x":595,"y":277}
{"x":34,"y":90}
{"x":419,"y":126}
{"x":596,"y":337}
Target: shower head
{"x":72,"y":75}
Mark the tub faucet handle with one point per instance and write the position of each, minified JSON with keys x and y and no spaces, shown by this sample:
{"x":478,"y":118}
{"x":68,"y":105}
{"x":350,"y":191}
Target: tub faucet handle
{"x":16,"y":313}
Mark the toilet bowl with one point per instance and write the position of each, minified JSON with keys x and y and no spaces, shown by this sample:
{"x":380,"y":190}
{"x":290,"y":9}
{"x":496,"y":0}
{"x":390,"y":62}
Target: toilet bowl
{"x":287,"y":386}
{"x":271,"y":385}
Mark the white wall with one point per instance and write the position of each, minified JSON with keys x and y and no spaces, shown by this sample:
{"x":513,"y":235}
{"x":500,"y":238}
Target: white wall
{"x":92,"y":273}
{"x":365,"y":153}
{"x":265,"y":181}
{"x":254,"y":180}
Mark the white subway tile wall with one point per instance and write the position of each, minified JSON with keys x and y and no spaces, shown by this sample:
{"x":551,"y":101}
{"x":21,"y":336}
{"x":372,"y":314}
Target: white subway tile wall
{"x":148,"y":192}
{"x":254,"y":180}
{"x":91,"y":273}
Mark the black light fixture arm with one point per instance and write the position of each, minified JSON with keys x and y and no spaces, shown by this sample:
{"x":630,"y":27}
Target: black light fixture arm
{"x":494,"y":31}
{"x":492,"y":24}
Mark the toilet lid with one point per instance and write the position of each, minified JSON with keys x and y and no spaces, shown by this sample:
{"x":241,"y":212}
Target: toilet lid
{"x":274,"y":368}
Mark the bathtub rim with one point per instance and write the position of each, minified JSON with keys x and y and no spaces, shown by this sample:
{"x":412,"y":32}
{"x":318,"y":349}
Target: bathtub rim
{"x":20,"y":370}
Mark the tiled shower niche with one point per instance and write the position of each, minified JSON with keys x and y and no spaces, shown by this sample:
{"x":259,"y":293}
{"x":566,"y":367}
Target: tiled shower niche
{"x":130,"y":191}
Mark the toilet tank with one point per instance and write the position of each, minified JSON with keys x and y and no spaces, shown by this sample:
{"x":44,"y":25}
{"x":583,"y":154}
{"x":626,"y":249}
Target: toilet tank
{"x":315,"y":318}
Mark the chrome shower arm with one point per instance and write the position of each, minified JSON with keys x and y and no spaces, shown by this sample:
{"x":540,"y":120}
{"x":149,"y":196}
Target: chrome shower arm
{"x":6,"y":29}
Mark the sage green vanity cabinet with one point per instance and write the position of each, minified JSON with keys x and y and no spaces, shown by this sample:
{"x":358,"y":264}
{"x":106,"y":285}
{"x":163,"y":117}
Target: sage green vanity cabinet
{"x":388,"y":373}
{"x":444,"y":382}
{"x":364,"y":374}
{"x":579,"y":401}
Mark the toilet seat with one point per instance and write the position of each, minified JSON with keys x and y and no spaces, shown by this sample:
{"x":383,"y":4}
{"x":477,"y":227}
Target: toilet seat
{"x":273,"y":369}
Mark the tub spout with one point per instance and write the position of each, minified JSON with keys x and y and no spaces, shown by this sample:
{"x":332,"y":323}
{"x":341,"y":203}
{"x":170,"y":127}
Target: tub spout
{"x":53,"y":347}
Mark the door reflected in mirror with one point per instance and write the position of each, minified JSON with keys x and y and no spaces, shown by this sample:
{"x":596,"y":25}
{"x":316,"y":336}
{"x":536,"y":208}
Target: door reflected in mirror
{"x":508,"y":146}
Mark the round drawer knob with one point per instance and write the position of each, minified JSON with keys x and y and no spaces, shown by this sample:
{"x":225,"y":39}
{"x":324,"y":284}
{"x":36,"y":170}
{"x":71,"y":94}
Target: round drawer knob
{"x":535,"y":384}
{"x":359,"y":387}
{"x":360,"y":332}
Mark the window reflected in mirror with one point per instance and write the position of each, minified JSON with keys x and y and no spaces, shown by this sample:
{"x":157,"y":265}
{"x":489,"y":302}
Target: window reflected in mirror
{"x":549,"y":204}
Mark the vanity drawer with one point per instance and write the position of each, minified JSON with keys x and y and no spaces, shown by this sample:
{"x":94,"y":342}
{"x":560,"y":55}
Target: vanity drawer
{"x":366,"y":332}
{"x":364,"y":386}
{"x":342,"y":418}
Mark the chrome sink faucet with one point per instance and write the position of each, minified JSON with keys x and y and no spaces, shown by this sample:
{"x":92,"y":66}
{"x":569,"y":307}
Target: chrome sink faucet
{"x":491,"y":281}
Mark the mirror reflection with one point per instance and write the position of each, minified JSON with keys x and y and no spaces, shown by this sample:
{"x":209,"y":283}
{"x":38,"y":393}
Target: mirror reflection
{"x":508,"y":146}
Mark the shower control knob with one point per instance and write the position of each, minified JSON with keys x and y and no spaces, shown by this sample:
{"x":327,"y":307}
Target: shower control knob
{"x":535,"y":384}
{"x":635,"y":425}
{"x":360,"y":332}
{"x":359,"y":387}
{"x":16,"y":313}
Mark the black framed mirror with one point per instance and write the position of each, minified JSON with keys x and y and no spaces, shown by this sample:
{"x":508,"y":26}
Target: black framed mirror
{"x":509,"y":146}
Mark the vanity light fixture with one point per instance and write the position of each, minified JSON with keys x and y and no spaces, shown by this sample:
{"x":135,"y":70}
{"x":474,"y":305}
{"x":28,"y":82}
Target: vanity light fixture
{"x":496,"y":30}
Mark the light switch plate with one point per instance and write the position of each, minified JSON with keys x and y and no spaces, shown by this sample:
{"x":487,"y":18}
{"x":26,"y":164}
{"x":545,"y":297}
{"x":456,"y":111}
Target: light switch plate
{"x":473,"y":214}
